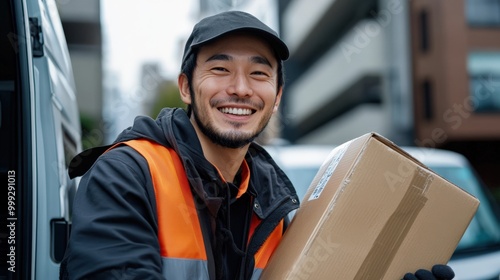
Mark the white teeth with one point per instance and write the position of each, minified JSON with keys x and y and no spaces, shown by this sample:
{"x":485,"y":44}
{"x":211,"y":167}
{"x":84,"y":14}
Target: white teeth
{"x":236,"y":111}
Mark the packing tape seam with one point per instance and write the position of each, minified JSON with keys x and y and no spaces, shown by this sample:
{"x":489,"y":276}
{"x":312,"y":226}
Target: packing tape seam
{"x":396,"y":228}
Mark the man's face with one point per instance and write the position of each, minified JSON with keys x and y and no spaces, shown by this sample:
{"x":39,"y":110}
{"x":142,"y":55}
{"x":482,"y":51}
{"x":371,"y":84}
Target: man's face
{"x":234,"y":89}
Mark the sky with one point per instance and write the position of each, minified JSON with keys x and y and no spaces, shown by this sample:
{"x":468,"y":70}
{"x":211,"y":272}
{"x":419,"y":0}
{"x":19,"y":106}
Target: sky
{"x":138,"y":31}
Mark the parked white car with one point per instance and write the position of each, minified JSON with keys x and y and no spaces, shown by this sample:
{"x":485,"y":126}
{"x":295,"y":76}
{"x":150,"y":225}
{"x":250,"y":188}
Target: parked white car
{"x":477,"y":255}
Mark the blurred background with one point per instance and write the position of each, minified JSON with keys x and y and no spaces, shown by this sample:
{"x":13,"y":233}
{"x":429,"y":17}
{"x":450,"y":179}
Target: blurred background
{"x":420,"y":72}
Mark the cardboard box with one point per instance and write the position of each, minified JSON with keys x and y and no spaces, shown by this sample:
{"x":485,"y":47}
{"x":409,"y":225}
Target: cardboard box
{"x":372,"y":212}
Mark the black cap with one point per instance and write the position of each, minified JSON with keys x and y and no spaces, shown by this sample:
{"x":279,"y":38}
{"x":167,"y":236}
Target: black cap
{"x":213,"y":27}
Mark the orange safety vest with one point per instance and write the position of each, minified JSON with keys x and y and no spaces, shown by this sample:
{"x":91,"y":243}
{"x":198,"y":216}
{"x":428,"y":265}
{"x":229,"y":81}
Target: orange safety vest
{"x":179,"y":232}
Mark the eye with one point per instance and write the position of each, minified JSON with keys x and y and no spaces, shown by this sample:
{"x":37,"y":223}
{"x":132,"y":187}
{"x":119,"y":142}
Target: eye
{"x":260,"y":73}
{"x":220,"y":69}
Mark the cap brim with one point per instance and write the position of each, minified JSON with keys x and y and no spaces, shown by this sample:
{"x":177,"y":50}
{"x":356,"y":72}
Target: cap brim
{"x":276,"y":43}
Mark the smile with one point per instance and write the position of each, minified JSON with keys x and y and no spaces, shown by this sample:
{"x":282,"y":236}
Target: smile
{"x":236,"y":111}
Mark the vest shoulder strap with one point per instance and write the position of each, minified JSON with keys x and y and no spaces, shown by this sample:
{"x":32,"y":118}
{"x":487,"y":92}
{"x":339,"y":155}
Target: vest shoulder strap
{"x":174,"y":200}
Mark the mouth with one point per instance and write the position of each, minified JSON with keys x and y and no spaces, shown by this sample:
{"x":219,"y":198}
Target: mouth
{"x":236,"y":111}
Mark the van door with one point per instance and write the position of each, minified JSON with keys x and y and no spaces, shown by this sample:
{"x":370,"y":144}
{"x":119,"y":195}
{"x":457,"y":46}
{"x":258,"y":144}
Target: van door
{"x":39,"y":134}
{"x":16,"y":143}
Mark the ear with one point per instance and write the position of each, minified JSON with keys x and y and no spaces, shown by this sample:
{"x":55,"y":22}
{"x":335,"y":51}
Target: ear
{"x":278,"y":100}
{"x":183,"y":84}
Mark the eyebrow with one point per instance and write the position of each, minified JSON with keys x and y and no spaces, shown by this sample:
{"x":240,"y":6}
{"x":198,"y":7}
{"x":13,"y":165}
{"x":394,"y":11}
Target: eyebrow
{"x":224,"y":57}
{"x":261,"y":60}
{"x":254,"y":59}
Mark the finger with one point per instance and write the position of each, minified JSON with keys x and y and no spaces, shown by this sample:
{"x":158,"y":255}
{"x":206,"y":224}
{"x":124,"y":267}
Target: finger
{"x":409,"y":276}
{"x":442,"y":271}
{"x":423,"y":274}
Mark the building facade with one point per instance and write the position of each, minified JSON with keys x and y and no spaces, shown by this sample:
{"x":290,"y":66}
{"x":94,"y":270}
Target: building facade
{"x":420,"y":72}
{"x":456,"y":79}
{"x":81,"y":22}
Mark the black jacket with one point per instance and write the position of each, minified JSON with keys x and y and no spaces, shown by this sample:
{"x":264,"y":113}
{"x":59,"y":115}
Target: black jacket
{"x":114,"y":232}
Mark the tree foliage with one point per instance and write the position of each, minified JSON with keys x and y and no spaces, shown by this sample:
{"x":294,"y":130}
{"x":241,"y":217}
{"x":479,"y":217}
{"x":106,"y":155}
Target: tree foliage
{"x":167,"y":96}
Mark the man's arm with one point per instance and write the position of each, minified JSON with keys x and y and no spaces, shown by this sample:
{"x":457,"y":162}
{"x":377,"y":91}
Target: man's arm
{"x":114,"y":231}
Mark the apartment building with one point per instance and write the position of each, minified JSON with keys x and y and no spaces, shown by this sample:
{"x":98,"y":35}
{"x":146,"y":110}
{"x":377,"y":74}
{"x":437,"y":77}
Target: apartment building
{"x":456,"y":79}
{"x":420,"y":72}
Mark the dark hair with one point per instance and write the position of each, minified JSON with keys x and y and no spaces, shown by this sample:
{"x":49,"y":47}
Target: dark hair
{"x":187,"y":69}
{"x":189,"y":65}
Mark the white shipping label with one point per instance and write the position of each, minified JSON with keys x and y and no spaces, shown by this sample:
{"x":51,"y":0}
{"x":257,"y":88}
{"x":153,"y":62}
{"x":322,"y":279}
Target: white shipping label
{"x":334,"y":158}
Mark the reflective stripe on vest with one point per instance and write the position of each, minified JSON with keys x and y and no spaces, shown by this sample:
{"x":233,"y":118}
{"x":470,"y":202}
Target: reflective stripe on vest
{"x":182,"y":246}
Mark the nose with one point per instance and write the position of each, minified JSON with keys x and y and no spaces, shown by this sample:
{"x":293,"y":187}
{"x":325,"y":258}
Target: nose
{"x":240,"y":85}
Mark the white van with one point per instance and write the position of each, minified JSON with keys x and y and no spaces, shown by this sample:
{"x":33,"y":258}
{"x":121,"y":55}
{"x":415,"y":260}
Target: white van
{"x":39,"y":134}
{"x":477,"y":255}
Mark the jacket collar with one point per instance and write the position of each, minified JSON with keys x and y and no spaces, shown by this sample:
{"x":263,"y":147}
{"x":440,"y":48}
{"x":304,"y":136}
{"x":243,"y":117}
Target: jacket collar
{"x":173,"y":129}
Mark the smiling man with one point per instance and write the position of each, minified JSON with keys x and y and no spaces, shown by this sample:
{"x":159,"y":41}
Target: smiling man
{"x":189,"y":195}
{"x":233,"y":94}
{"x":236,"y":83}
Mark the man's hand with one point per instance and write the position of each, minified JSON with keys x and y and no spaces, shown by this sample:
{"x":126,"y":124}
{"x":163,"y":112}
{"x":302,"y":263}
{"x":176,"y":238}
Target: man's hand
{"x":439,"y":272}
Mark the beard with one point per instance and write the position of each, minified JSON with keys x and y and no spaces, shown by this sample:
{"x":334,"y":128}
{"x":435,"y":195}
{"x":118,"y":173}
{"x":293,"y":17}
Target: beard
{"x":233,"y":139}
